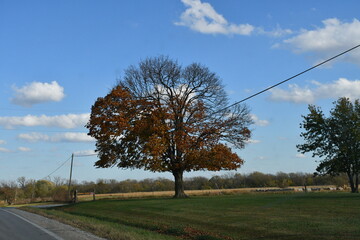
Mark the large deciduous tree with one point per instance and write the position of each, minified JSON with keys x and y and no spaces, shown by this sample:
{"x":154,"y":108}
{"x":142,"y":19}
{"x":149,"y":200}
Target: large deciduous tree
{"x":168,"y":118}
{"x":335,"y":138}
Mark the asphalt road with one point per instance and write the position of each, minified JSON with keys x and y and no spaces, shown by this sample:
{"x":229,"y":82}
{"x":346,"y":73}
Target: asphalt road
{"x":13,"y":226}
{"x":16,"y":224}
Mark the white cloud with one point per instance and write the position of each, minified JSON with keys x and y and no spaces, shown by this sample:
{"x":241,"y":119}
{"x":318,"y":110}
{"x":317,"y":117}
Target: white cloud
{"x":334,"y":37}
{"x":60,"y":137}
{"x":295,"y":94}
{"x":339,"y":88}
{"x":61,"y":121}
{"x":4,"y":150}
{"x":300,"y":155}
{"x":2,"y":142}
{"x":72,"y":137}
{"x":24,"y":149}
{"x":202,"y":17}
{"x":253,"y":141}
{"x":38,"y":92}
{"x":33,"y":137}
{"x":259,"y":122}
{"x":85,"y":153}
{"x":277,"y":32}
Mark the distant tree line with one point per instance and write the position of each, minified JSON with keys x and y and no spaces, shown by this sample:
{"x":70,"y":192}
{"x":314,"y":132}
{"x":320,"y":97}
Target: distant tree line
{"x":26,"y":191}
{"x":56,"y":189}
{"x":228,"y":181}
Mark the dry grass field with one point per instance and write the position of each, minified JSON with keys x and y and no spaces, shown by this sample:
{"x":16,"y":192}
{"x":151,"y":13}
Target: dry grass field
{"x":208,"y":192}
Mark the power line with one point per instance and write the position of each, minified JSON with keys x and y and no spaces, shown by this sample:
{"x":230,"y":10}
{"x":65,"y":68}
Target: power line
{"x":72,"y":158}
{"x":238,"y":102}
{"x":288,"y":79}
{"x":57,"y":168}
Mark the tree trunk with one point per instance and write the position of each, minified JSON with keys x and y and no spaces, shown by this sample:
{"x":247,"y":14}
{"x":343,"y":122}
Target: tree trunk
{"x":356,"y":183}
{"x":353,"y":185}
{"x":179,"y":185}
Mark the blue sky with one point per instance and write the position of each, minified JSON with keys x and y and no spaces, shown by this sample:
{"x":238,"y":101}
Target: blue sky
{"x":57,"y":57}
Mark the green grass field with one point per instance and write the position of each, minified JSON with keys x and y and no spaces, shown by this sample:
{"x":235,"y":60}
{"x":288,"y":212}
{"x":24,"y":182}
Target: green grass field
{"x":243,"y":216}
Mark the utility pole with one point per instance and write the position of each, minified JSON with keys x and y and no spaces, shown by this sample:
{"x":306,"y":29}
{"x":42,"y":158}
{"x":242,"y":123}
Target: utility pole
{"x":71,"y":167}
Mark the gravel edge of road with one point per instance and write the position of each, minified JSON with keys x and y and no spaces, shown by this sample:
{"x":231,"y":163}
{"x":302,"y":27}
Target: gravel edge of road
{"x":60,"y":229}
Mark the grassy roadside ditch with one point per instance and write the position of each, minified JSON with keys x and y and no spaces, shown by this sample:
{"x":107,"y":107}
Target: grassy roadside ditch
{"x":99,"y":227}
{"x":229,"y":217}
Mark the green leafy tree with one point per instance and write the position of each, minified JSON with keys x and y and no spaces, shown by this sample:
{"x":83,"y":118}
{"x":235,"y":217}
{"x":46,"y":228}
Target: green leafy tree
{"x":283,"y":180}
{"x":258,"y":179}
{"x":166,"y":118}
{"x":43,"y":188}
{"x":29,"y":189}
{"x":335,"y":139}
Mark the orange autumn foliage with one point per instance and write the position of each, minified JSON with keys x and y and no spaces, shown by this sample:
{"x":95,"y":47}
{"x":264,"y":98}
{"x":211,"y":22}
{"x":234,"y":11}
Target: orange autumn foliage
{"x":165,"y":118}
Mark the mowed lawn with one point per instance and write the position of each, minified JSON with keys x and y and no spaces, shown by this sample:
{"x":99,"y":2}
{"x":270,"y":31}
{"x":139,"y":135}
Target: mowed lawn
{"x":244,"y":216}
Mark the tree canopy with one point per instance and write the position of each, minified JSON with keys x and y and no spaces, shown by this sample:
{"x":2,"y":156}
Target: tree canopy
{"x":335,"y":138}
{"x":165,"y":117}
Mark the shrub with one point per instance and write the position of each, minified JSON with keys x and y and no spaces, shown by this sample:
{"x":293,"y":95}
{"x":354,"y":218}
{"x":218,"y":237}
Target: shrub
{"x":60,"y":194}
